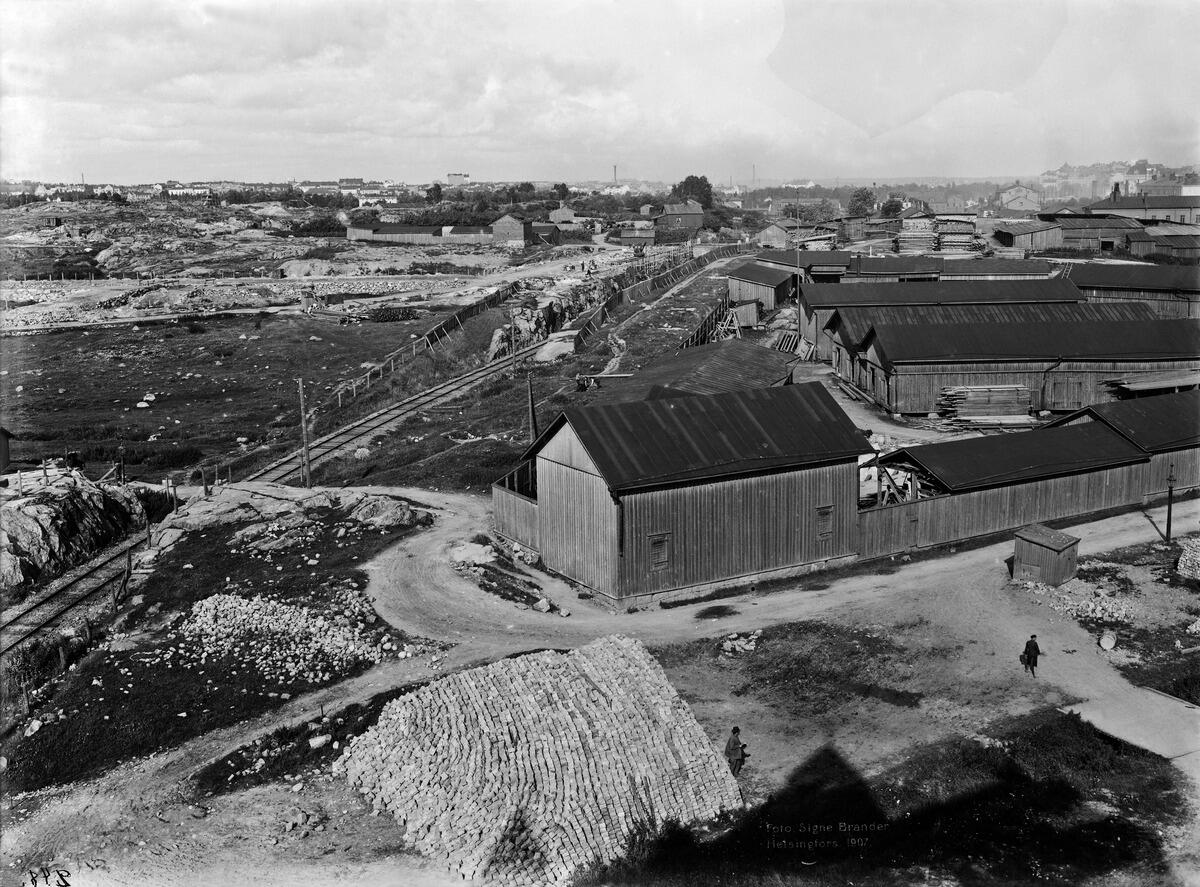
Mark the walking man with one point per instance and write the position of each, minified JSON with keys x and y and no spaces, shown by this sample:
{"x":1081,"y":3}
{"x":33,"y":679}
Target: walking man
{"x":735,"y":751}
{"x":1032,"y":652}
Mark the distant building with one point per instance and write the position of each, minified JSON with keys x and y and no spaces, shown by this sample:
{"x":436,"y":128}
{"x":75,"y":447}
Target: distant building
{"x":1168,"y":209}
{"x":458,"y":179}
{"x":563,"y":214}
{"x":512,"y":231}
{"x":688,"y":215}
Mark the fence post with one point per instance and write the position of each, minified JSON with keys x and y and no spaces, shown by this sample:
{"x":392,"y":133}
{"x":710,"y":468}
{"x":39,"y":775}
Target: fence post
{"x":62,"y":656}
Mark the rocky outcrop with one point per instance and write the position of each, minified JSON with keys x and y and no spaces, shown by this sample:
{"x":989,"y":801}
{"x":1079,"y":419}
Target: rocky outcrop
{"x":53,"y":527}
{"x":529,"y":770}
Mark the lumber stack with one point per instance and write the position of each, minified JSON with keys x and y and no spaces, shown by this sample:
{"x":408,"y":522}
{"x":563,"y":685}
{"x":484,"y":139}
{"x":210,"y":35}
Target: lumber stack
{"x":971,"y":401}
{"x":530,"y":770}
{"x":922,"y":241}
{"x":957,"y":241}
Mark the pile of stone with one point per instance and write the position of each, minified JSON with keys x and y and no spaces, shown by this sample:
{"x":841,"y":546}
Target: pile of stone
{"x":284,"y":643}
{"x":737,"y":644}
{"x":530,"y":770}
{"x":1189,"y":561}
{"x":1079,"y":600}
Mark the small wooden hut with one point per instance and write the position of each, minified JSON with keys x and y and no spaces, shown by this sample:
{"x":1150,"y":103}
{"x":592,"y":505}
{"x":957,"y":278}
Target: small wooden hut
{"x":1044,"y":555}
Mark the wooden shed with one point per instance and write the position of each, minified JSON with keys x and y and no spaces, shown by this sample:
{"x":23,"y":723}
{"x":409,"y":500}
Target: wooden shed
{"x":1064,"y":364}
{"x":673,"y":497}
{"x":1033,"y":235}
{"x":1044,"y":555}
{"x":818,"y":301}
{"x":1165,"y":426}
{"x":767,"y":285}
{"x":1172,"y":291}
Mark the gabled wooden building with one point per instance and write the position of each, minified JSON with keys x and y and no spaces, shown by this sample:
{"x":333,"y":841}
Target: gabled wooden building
{"x":1166,"y":427}
{"x":812,"y":266}
{"x":1172,"y":291}
{"x":669,"y":497}
{"x":1064,"y":364}
{"x":818,"y":301}
{"x":768,"y":286}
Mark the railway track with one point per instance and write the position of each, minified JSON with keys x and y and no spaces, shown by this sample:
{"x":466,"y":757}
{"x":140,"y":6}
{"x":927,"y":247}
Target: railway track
{"x":78,"y":587}
{"x":361,"y":430}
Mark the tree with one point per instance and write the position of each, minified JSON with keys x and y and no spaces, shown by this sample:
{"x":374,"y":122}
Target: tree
{"x":561,"y":191}
{"x":891,"y":208}
{"x":862,"y":202}
{"x":433,"y":194}
{"x":695,"y":188}
{"x":525,"y":188}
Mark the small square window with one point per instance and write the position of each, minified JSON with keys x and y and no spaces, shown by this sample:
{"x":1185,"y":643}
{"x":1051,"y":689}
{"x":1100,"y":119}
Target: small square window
{"x":660,"y":551}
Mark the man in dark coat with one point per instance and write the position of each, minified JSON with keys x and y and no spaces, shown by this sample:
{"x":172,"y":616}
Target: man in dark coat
{"x":735,"y":752}
{"x":1032,"y":652}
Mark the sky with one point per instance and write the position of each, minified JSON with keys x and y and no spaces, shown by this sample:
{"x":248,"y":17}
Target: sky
{"x":131,"y":91}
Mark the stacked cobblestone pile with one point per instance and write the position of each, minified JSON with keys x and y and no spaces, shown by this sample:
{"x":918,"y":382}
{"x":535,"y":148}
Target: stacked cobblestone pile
{"x":1189,"y":561}
{"x":528,"y":770}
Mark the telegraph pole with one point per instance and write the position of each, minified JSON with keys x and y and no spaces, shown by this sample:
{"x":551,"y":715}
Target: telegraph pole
{"x":1170,"y":497}
{"x":305,"y":464}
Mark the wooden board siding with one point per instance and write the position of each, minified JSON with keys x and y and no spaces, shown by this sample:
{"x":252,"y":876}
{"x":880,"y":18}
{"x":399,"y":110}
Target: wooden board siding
{"x":1184,"y":463}
{"x":747,"y":291}
{"x":1036,"y":563}
{"x":1165,"y":305}
{"x":737,"y":527}
{"x":515,"y":517}
{"x":577,"y":517}
{"x":813,"y":329}
{"x":928,"y":522}
{"x":1070,"y":385}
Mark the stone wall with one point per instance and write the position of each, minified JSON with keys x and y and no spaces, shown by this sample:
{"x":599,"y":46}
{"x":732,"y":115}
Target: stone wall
{"x":529,"y":770}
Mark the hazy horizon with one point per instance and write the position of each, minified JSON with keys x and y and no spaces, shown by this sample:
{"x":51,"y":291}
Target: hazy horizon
{"x":131,"y":91}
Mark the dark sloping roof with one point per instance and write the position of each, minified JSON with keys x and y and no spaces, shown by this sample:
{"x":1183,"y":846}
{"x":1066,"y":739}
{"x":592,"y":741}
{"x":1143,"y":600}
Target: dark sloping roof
{"x":1072,"y":223}
{"x":1046,"y":537}
{"x":982,"y":267}
{"x":856,"y":322}
{"x":867,"y":265}
{"x":998,"y":460}
{"x":1156,"y":424}
{"x":756,"y":273}
{"x":833,"y":295}
{"x":395,"y":228}
{"x":1144,"y":202}
{"x":662,"y":442}
{"x":715,"y":368}
{"x":1019,"y":228}
{"x":1112,"y":340}
{"x":807,"y":258}
{"x":1170,"y":278}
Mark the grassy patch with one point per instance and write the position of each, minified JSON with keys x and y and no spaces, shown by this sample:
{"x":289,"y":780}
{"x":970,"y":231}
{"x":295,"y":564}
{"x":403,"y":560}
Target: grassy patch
{"x":126,"y":702}
{"x":1047,"y":800}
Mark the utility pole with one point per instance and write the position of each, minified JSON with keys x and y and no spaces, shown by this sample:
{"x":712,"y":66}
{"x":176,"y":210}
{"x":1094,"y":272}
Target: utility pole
{"x":305,"y":464}
{"x":512,"y":340}
{"x":1170,"y":498}
{"x":533,"y":426}
{"x":614,"y":173}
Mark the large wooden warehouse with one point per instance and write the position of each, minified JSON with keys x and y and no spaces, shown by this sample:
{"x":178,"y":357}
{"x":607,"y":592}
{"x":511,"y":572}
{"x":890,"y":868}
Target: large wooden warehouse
{"x":849,"y":327}
{"x":1172,"y":291}
{"x":819,"y":266}
{"x":819,"y":301}
{"x":767,"y":285}
{"x":667,"y":497}
{"x":1064,"y":364}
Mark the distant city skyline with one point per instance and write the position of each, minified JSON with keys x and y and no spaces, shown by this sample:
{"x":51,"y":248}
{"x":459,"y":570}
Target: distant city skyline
{"x":129,"y":91}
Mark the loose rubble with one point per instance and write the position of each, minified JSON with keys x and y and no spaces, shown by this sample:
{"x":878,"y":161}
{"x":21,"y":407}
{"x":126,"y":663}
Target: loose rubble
{"x":735,"y":644}
{"x":529,"y":770}
{"x":1189,"y":561}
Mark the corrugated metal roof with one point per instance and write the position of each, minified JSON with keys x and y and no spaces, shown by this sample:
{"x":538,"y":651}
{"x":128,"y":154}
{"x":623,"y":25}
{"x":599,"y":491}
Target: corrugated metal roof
{"x":755,"y":273}
{"x":983,"y":267}
{"x":715,"y":368}
{"x":834,"y":295}
{"x":855,"y":323}
{"x":1167,"y":278}
{"x":702,"y":438}
{"x":867,"y":265}
{"x":998,"y":460}
{"x":1156,"y":424}
{"x":807,"y":258}
{"x":1070,"y":223}
{"x":1019,"y":228}
{"x":1142,"y":340}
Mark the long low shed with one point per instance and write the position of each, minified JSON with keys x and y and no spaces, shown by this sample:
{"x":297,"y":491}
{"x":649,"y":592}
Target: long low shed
{"x":817,"y":301}
{"x":1166,"y":427}
{"x":1064,"y":364}
{"x":849,"y":327}
{"x":975,"y":487}
{"x":1172,"y":291}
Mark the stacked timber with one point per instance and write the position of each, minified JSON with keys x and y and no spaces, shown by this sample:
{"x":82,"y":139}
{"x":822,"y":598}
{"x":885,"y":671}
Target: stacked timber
{"x":972,"y":401}
{"x":957,"y":241}
{"x":917,"y":241}
{"x":530,"y":770}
